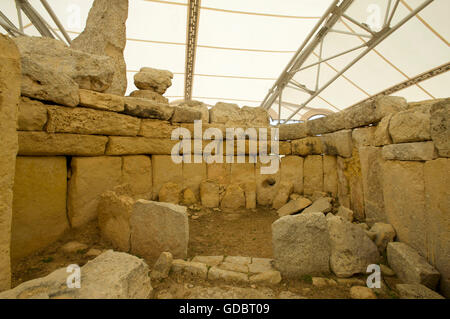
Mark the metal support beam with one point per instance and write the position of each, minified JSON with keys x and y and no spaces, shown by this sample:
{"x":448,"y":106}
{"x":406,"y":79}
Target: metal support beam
{"x":56,"y":20}
{"x":191,"y":46}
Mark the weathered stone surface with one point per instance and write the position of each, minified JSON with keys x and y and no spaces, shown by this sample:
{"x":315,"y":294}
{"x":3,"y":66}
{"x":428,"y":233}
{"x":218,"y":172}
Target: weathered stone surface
{"x":122,"y":145}
{"x":219,"y":172}
{"x":294,"y":206}
{"x":414,"y":291}
{"x":254,"y":116}
{"x":110,"y":17}
{"x":382,"y":136}
{"x":189,"y":197}
{"x":137,"y":172}
{"x":193,"y":174}
{"x":360,"y":292}
{"x":321,"y":205}
{"x":101,"y":101}
{"x":45,"y":144}
{"x":421,"y":151}
{"x":385,"y":105}
{"x":210,"y":193}
{"x":371,"y":165}
{"x":234,"y":197}
{"x":260,"y":265}
{"x":317,"y":195}
{"x":272,"y":277}
{"x":162,"y":266}
{"x":330,"y":123}
{"x":293,"y":131}
{"x":284,"y":190}
{"x":227,"y":276}
{"x":150,"y":95}
{"x":91,"y":177}
{"x":234,"y":267}
{"x":224,"y":113}
{"x":313,"y":174}
{"x":10,"y":77}
{"x":112,"y":275}
{"x":190,"y":269}
{"x":153,"y":80}
{"x":301,"y":245}
{"x":285,"y":148}
{"x":343,"y":185}
{"x":404,"y":200}
{"x":164,"y":171}
{"x":384,"y":234}
{"x":156,"y":129}
{"x":307,"y":146}
{"x":170,"y":193}
{"x":114,"y":211}
{"x":159,"y":227}
{"x":437,"y":206}
{"x":353,"y":175}
{"x":184,"y":114}
{"x":411,"y":267}
{"x":266,"y":185}
{"x":345,"y":213}
{"x":147,"y":108}
{"x":39,"y":206}
{"x":411,"y":126}
{"x":363,"y":136}
{"x":32,"y":115}
{"x":337,"y":143}
{"x":208,"y":260}
{"x":292,"y":171}
{"x":242,"y":260}
{"x":73,"y":247}
{"x":90,"y":122}
{"x":198,"y":106}
{"x":351,"y":250}
{"x":330,"y":178}
{"x":440,"y":127}
{"x":47,"y":65}
{"x":250,"y":194}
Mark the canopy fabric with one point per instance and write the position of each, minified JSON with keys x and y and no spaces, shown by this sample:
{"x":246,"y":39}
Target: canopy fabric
{"x":244,"y":45}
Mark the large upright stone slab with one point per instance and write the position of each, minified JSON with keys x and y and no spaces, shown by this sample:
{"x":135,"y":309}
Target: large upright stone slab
{"x":330,"y":179}
{"x":440,"y":127}
{"x":301,"y":245}
{"x":437,"y":206}
{"x":91,"y":177}
{"x":193,"y":174}
{"x":313,"y":174}
{"x":10,"y":77}
{"x":137,"y":172}
{"x":39,"y":210}
{"x":292,"y":171}
{"x":159,"y":227}
{"x":110,"y":17}
{"x":266,"y":185}
{"x":164,"y":171}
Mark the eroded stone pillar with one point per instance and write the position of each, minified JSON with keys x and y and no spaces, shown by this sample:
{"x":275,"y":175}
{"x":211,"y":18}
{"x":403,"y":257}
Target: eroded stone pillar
{"x":10,"y":75}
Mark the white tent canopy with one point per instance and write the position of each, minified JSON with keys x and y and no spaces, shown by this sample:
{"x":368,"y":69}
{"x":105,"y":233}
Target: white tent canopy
{"x":243,"y":46}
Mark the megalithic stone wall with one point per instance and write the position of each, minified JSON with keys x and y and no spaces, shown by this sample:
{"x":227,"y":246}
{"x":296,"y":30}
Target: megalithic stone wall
{"x":10,"y":76}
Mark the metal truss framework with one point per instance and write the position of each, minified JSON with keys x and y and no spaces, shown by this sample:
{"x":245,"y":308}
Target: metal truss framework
{"x":191,"y":46}
{"x":335,"y":13}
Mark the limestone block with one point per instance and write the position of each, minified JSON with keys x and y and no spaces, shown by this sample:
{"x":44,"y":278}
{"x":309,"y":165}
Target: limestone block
{"x":234,"y":198}
{"x":208,"y":260}
{"x":301,"y":245}
{"x":321,"y":205}
{"x":198,"y":106}
{"x":285,"y":148}
{"x":210,"y":193}
{"x":242,"y":173}
{"x":32,"y":115}
{"x":129,"y":280}
{"x":440,"y":127}
{"x":307,"y":146}
{"x":101,"y":101}
{"x":156,"y":129}
{"x":404,"y":201}
{"x":114,"y":211}
{"x":371,"y":164}
{"x":343,"y":184}
{"x":227,"y":276}
{"x":330,"y":179}
{"x":410,"y":266}
{"x":313,"y":174}
{"x":351,"y":169}
{"x":384,"y":234}
{"x":39,"y":206}
{"x":91,"y":177}
{"x":419,"y":151}
{"x":224,"y":113}
{"x":147,"y":108}
{"x":292,"y":171}
{"x":110,"y":17}
{"x":255,"y":116}
{"x":271,"y":277}
{"x":337,"y":143}
{"x":193,"y":174}
{"x":411,"y":126}
{"x":45,"y":144}
{"x":190,"y":269}
{"x":159,"y":227}
{"x":284,"y":190}
{"x":90,"y":122}
{"x":185,"y":114}
{"x":150,"y":95}
{"x":437,"y":206}
{"x":164,"y":171}
{"x":137,"y":172}
{"x":153,"y":80}
{"x":266,"y":185}
{"x":345,"y":213}
{"x":359,"y":115}
{"x":294,"y":206}
{"x":119,"y":145}
{"x":330,"y":123}
{"x":250,"y":194}
{"x":382,"y":136}
{"x":188,"y":197}
{"x":385,"y":105}
{"x":10,"y":77}
{"x":238,"y":260}
{"x":260,"y":265}
{"x":170,"y":193}
{"x":162,"y":266}
{"x":219,"y":172}
{"x":351,"y":250}
{"x":293,"y":131}
{"x":361,"y":292}
{"x":363,"y":136}
{"x":414,"y":291}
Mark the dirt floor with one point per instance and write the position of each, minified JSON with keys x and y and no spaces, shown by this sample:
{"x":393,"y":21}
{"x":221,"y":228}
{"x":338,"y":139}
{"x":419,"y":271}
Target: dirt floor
{"x":212,"y":232}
